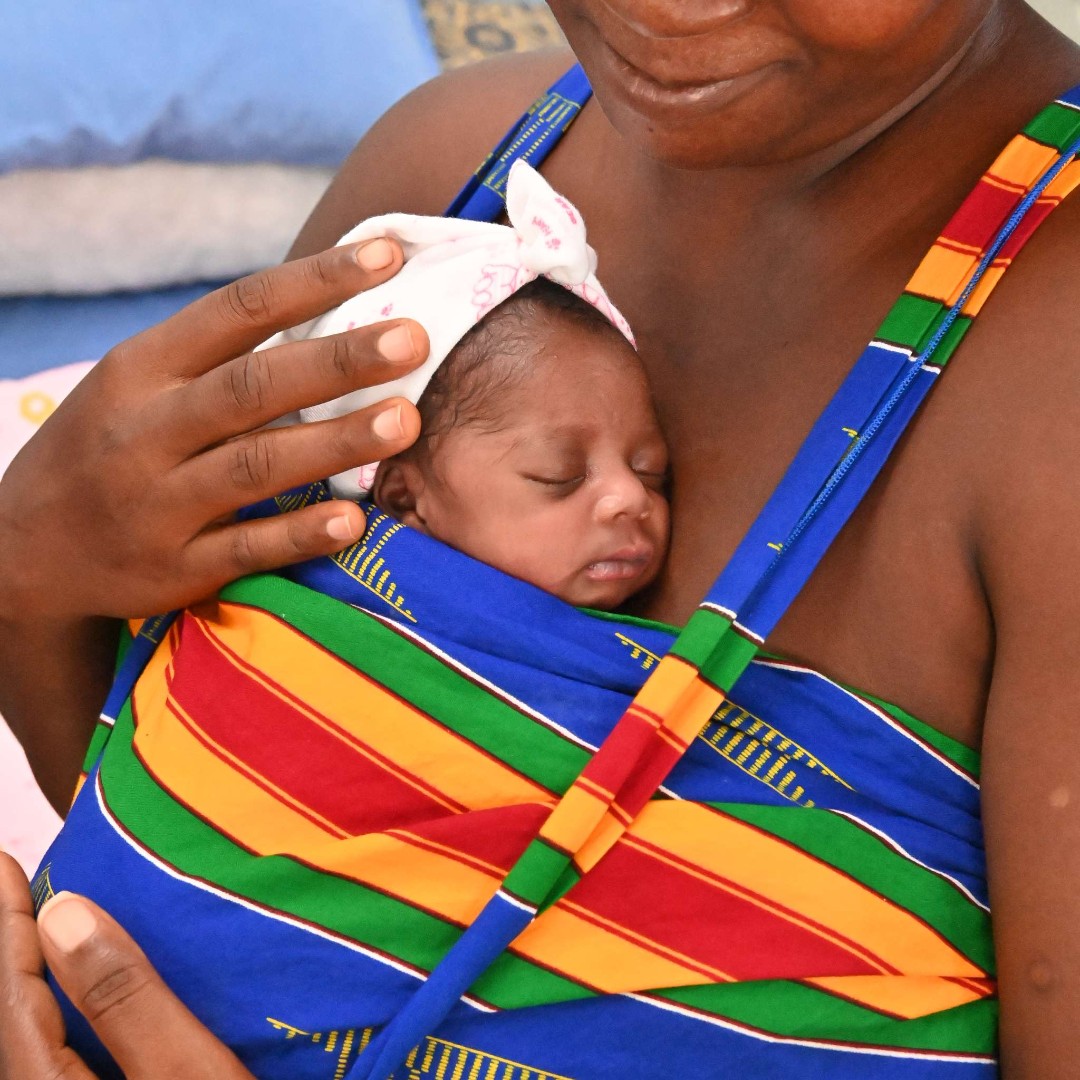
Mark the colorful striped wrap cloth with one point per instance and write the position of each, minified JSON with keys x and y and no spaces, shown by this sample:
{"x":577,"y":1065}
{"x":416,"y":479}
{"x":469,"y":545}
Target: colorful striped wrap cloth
{"x":303,"y":802}
{"x":396,"y":813}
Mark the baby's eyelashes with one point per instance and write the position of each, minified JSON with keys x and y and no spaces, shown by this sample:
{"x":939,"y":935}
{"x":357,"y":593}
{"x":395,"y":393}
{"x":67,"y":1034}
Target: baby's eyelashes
{"x":564,"y":482}
{"x":654,"y":481}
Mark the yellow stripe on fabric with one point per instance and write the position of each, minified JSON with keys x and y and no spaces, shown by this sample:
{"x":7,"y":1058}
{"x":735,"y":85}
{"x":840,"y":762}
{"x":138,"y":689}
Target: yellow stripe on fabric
{"x":1064,"y":183}
{"x":1023,"y":161}
{"x":905,"y":996}
{"x":575,"y":817}
{"x":611,"y":959}
{"x":664,"y":688}
{"x":796,"y":881}
{"x":227,"y":794}
{"x":981,"y":293}
{"x":367,"y":712}
{"x":942,"y":274}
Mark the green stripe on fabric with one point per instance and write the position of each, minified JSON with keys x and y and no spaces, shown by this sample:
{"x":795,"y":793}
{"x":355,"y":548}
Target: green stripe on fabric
{"x":535,"y":872}
{"x":1055,"y":126}
{"x":967,"y":759}
{"x":805,"y":1012}
{"x":383,"y":922}
{"x":729,"y":660}
{"x":700,"y":636}
{"x":98,"y":742}
{"x":630,"y":620}
{"x":841,"y":843}
{"x":910,"y":321}
{"x":949,"y":343}
{"x":419,"y":678}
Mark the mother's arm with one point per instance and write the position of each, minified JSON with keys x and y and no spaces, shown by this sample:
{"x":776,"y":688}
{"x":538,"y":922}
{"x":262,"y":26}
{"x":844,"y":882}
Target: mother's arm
{"x":1024,"y":453}
{"x":119,"y":507}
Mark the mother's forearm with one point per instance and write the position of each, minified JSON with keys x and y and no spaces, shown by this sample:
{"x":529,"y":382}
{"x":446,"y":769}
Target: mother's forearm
{"x":53,"y":682}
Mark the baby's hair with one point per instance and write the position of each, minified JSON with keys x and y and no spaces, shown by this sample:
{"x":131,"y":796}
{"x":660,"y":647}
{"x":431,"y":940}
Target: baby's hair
{"x":496,"y":353}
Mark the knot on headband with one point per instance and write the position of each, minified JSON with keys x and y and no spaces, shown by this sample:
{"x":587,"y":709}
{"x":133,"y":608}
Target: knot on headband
{"x":551,"y":234}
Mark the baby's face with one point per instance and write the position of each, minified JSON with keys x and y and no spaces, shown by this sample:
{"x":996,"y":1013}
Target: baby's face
{"x":569,"y":494}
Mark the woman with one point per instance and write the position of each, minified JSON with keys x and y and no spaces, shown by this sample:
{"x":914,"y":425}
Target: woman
{"x":798,"y":157}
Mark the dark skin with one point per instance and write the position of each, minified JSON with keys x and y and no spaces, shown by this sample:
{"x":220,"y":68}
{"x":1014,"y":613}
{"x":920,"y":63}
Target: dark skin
{"x":790,"y":209}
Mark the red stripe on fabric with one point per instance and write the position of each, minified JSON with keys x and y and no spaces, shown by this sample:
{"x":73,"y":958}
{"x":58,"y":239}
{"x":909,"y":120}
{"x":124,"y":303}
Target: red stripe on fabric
{"x":980,"y":216}
{"x":632,"y":739}
{"x":329,"y":827}
{"x":1028,"y":224}
{"x":495,"y":837}
{"x":323,"y":769}
{"x":451,"y":666}
{"x":633,"y":937}
{"x":691,"y":915}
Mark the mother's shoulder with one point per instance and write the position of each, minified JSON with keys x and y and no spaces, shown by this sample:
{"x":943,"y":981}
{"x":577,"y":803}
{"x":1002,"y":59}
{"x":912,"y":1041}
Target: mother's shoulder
{"x":422,"y":150}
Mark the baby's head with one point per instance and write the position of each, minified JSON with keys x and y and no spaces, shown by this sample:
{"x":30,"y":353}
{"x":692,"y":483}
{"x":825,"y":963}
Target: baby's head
{"x":540,"y":452}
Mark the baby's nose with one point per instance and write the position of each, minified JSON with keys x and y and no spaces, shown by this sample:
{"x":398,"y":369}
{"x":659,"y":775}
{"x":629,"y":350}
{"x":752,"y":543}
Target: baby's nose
{"x":627,"y":496}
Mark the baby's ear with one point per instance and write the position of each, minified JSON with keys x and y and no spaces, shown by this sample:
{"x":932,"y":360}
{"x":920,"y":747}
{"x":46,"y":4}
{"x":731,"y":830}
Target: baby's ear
{"x":398,"y":485}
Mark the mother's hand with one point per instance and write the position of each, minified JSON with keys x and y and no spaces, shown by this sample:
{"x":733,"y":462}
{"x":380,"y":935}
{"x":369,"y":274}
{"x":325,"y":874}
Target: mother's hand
{"x":122,"y":504}
{"x":144,"y":1026}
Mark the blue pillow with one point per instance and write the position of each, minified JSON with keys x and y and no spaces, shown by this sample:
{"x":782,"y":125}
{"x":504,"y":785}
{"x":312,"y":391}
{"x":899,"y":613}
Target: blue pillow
{"x":115,"y":81}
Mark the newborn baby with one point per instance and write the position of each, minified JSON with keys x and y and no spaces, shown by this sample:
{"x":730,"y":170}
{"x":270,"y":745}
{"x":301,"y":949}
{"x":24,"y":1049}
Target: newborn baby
{"x":540,"y":451}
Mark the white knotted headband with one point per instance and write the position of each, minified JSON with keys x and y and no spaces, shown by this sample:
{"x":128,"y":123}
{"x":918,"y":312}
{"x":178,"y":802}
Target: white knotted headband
{"x":455,"y":272}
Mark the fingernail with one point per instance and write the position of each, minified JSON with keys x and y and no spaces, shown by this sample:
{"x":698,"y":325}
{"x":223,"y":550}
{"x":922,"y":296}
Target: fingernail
{"x":66,"y":921}
{"x":387,"y":425}
{"x":376,"y":255}
{"x":341,"y":528}
{"x":397,"y":345}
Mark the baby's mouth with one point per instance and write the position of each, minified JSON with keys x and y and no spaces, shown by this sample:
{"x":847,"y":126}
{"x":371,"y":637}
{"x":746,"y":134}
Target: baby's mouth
{"x":621,"y":565}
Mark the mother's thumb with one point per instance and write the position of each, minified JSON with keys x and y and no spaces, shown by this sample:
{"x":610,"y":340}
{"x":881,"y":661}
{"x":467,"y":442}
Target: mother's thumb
{"x":110,"y":981}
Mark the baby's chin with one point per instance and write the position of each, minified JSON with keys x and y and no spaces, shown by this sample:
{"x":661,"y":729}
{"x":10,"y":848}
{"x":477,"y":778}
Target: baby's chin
{"x":603,"y":595}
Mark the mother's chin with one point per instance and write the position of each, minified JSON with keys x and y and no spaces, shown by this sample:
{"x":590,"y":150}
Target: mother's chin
{"x":741,"y":83}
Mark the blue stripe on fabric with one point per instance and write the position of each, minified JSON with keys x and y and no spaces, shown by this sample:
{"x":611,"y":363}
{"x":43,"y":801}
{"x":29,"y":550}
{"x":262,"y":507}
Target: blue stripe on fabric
{"x":793,"y":565}
{"x":501,"y":920}
{"x":532,"y":138}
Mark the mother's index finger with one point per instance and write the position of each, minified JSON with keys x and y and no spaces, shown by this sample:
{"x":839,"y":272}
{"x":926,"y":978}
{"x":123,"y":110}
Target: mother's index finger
{"x":239,"y":316}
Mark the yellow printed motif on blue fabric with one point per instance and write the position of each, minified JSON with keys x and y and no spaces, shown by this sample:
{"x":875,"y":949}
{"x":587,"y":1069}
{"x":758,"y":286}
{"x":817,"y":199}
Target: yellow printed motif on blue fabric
{"x":761,"y":751}
{"x":436,"y":1059}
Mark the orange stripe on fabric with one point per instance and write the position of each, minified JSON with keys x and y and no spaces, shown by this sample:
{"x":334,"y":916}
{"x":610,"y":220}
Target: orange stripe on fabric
{"x":942,"y":274}
{"x":582,"y":948}
{"x":1004,"y":185}
{"x":780,"y":872}
{"x":905,"y":997}
{"x":571,"y":822}
{"x":1064,"y":183}
{"x":1023,"y":161}
{"x":368,"y":712}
